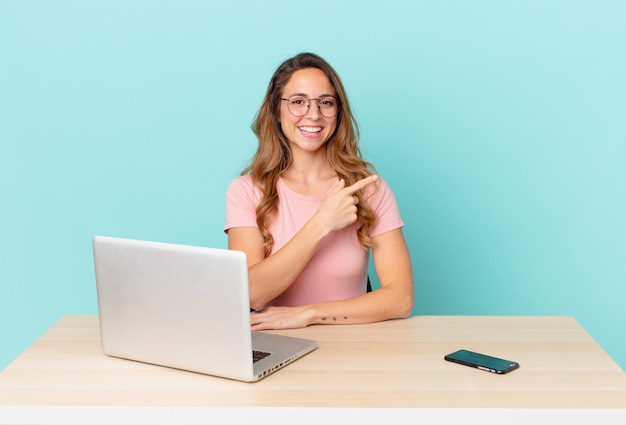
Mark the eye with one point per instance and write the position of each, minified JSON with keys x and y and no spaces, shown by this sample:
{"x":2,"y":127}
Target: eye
{"x":327,"y":102}
{"x":298,"y":101}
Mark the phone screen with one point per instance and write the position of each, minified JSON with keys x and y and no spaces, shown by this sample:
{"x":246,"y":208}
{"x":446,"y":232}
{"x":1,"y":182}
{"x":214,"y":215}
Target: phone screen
{"x":482,"y":361}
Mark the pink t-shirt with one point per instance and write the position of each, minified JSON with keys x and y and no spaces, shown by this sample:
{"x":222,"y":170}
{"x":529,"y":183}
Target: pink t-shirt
{"x":338,"y":269}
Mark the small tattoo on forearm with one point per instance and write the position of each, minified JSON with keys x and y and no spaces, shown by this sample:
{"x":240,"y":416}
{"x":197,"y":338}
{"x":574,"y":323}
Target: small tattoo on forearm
{"x":334,"y":318}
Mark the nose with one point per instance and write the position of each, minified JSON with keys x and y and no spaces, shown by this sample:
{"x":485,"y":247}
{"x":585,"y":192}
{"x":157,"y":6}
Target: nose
{"x":314,"y":110}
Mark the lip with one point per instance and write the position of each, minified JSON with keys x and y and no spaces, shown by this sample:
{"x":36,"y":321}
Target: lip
{"x":311,"y":131}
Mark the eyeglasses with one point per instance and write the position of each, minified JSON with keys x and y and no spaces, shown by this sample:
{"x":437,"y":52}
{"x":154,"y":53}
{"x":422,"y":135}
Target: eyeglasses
{"x":299,"y":105}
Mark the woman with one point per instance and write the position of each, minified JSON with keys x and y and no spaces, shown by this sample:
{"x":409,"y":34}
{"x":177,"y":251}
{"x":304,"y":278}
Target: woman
{"x":308,"y":210}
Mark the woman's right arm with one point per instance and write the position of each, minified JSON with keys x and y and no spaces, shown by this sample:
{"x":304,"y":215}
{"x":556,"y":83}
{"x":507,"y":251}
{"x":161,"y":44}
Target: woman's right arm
{"x":271,"y":276}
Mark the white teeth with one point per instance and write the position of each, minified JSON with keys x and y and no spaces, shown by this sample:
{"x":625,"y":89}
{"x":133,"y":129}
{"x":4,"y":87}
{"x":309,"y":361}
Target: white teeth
{"x":311,"y":129}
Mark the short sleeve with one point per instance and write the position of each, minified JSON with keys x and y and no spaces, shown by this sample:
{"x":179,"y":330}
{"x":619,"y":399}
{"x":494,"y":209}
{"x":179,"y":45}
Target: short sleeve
{"x":383,"y":201}
{"x":241,"y":201}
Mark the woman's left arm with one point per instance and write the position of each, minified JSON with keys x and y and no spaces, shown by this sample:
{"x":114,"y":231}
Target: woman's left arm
{"x":393,"y":300}
{"x":392,"y":262}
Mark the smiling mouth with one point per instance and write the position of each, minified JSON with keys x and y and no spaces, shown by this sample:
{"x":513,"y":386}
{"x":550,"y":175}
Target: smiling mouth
{"x":311,"y":130}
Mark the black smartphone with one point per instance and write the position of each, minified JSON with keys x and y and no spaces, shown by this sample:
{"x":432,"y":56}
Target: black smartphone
{"x":482,"y":361}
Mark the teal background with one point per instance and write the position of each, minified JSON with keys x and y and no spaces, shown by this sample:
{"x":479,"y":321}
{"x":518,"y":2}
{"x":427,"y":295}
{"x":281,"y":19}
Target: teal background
{"x":500,"y":125}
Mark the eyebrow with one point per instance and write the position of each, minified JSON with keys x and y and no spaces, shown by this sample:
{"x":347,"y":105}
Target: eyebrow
{"x":307,"y":96}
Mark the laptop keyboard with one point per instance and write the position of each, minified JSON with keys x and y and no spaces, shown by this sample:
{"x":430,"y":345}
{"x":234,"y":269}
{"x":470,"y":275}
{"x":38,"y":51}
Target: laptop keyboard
{"x":258,"y":355}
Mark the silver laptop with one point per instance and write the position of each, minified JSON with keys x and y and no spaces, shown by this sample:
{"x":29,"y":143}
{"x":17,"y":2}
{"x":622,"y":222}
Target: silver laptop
{"x":184,"y":307}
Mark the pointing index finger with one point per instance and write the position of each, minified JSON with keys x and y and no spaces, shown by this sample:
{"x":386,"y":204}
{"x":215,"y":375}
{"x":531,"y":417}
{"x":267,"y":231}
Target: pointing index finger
{"x":361,"y":183}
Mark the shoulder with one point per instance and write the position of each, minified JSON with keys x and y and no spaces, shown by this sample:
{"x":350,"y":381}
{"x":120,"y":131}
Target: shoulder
{"x":379,"y":192}
{"x":244,"y":183}
{"x":241,"y":200}
{"x":242,"y":189}
{"x":382,"y":200}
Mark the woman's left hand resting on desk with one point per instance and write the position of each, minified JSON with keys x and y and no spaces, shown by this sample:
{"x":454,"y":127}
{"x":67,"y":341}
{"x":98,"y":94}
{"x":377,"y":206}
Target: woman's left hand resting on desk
{"x":394,"y":299}
{"x":308,"y":210}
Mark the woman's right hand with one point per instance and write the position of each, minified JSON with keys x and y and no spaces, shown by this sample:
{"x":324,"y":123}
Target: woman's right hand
{"x":339,"y":209}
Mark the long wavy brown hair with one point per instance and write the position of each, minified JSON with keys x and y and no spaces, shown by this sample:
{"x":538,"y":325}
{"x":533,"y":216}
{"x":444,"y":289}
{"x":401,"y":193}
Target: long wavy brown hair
{"x":273,"y":155}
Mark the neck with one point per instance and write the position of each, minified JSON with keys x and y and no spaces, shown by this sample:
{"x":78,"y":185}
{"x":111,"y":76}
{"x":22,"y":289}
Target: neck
{"x":309,"y":168}
{"x":312,"y":176}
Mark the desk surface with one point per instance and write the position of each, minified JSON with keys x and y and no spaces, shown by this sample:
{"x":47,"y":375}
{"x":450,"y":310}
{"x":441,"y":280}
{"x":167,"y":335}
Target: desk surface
{"x":396,"y":364}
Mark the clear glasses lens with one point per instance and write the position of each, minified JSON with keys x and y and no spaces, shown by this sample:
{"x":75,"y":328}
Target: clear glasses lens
{"x":299,"y":105}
